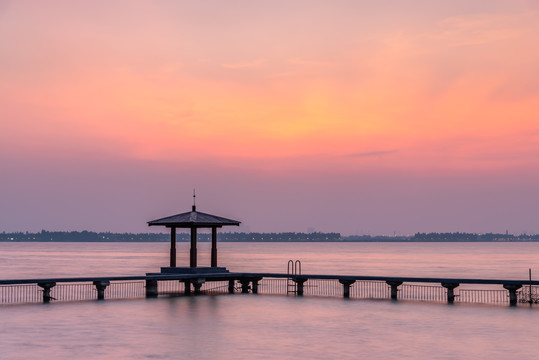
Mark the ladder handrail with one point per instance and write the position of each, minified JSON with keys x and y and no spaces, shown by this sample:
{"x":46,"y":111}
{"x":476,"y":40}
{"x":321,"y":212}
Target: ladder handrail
{"x":293,"y":269}
{"x":290,"y":268}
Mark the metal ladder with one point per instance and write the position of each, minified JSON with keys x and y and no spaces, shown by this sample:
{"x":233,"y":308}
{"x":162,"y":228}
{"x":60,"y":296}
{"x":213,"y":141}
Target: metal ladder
{"x":293,"y":269}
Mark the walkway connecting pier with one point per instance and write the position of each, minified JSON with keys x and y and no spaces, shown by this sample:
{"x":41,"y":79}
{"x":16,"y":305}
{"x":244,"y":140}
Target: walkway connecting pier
{"x":150,"y":286}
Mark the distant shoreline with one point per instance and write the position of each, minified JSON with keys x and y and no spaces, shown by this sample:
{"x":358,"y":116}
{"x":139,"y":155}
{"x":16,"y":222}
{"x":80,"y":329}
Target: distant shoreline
{"x":89,"y":236}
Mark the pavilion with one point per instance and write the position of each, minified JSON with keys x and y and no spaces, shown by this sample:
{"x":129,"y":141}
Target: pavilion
{"x":192,"y":220}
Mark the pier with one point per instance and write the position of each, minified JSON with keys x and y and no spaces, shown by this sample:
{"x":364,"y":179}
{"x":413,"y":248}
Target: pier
{"x":47,"y":290}
{"x":193,"y":280}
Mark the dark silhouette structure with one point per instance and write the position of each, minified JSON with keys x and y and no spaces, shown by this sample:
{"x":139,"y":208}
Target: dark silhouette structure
{"x":193,"y":220}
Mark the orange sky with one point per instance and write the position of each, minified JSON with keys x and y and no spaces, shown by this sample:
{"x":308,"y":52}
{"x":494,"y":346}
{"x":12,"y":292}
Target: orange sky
{"x":269,"y":88}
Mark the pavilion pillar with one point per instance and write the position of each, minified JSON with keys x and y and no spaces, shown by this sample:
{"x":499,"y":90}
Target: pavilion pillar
{"x":173,"y":246}
{"x":214,"y":246}
{"x":193,"y":259}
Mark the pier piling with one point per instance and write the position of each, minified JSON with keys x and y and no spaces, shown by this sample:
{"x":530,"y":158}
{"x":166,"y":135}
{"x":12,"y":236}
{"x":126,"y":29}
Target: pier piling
{"x":394,"y":288}
{"x":450,"y":291}
{"x":152,"y":290}
{"x":254,"y":284}
{"x":512,"y":292}
{"x":101,"y":286}
{"x":46,"y":286}
{"x":187,"y":287}
{"x":299,"y":285}
{"x":197,"y":284}
{"x":346,"y":287}
{"x":244,"y":286}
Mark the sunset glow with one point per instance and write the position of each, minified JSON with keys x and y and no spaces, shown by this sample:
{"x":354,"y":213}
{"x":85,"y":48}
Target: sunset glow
{"x":332,"y":96}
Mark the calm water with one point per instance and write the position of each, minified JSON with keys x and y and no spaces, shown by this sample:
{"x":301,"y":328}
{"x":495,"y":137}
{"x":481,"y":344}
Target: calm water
{"x":269,"y":327}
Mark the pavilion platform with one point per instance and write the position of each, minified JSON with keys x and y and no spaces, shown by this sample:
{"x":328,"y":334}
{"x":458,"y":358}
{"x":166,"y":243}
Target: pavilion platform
{"x":191,"y":270}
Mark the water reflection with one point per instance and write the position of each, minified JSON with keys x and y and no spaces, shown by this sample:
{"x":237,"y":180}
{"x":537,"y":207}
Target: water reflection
{"x":262,"y":327}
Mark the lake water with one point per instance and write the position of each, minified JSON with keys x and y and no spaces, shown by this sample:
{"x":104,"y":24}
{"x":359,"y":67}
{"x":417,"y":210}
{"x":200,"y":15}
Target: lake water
{"x":270,"y":326}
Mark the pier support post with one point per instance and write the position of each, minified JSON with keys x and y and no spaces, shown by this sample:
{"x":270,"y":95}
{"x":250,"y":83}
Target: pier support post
{"x":47,"y":286}
{"x":152,"y":290}
{"x":101,"y":285}
{"x":187,"y":287}
{"x":197,"y":284}
{"x":512,"y":292}
{"x":394,"y":288}
{"x":299,"y":285}
{"x":231,"y":284}
{"x":450,"y":291}
{"x":244,"y":286}
{"x":346,"y":287}
{"x":254,"y":284}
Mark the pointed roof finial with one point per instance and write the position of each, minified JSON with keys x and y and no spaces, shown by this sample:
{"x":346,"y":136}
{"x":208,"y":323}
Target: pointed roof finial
{"x":194,"y":200}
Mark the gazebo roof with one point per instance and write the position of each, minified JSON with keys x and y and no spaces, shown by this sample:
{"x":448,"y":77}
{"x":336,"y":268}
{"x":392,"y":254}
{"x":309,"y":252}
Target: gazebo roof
{"x":193,"y":219}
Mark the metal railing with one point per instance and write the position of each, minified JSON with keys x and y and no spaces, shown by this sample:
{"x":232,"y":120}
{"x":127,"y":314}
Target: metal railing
{"x":273,"y":286}
{"x":422,"y":292}
{"x":177,"y":288}
{"x":216,"y":288}
{"x":482,"y":296}
{"x":529,"y":294}
{"x":171,"y":287}
{"x":369,"y":290}
{"x":20,"y":294}
{"x":32,"y":293}
{"x":322,"y":287}
{"x":125,"y":290}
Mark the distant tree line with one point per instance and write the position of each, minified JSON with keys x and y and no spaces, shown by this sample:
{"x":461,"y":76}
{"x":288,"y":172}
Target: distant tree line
{"x":443,"y":237}
{"x":184,"y":236}
{"x":467,"y":237}
{"x":90,"y":236}
{"x":376,"y":238}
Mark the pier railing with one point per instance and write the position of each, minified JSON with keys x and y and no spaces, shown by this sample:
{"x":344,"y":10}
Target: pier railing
{"x":361,"y":287}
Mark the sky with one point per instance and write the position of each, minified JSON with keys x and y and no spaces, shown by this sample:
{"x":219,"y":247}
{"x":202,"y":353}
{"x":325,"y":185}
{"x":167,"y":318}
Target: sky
{"x":359,"y":117}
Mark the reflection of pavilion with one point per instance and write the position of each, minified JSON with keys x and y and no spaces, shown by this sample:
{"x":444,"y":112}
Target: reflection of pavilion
{"x":193,"y":220}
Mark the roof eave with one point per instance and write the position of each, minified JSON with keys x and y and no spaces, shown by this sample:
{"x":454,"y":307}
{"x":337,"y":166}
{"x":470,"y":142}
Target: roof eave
{"x":190,"y":225}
